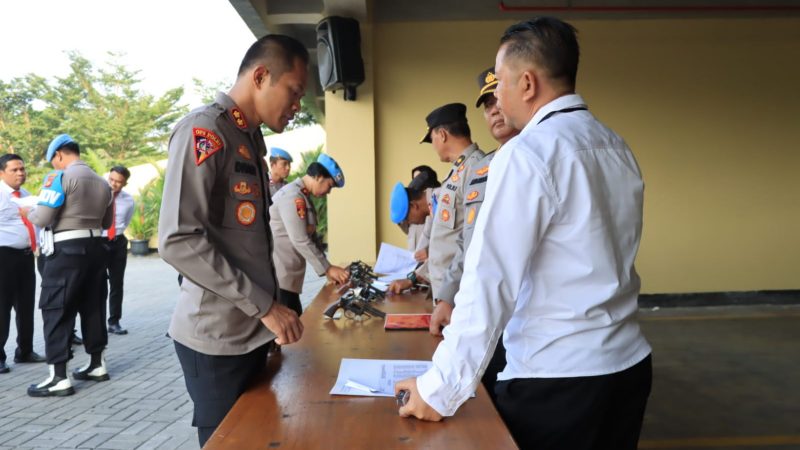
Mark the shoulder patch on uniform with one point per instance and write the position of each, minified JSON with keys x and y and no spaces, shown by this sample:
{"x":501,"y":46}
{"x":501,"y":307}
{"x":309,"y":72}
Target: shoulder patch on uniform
{"x":52,"y":193}
{"x":471,"y":216}
{"x":472,"y":195}
{"x":206,"y":143}
{"x":238,"y":118}
{"x":300,"y":204}
{"x":244,"y":152}
{"x":482,"y":171}
{"x":459,"y":160}
{"x":445,"y":215}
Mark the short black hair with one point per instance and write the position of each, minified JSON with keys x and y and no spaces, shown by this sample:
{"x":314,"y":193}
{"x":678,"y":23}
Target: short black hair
{"x":316,"y":169}
{"x":459,"y":129}
{"x":122,"y":170}
{"x":7,"y":158}
{"x":70,"y":147}
{"x":549,"y":43}
{"x":426,"y":178}
{"x":277,"y":52}
{"x":414,"y":194}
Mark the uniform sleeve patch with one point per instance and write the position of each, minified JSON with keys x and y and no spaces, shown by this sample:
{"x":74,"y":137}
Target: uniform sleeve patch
{"x":300,"y":204}
{"x":206,"y":143}
{"x":244,"y":152}
{"x":52,"y":193}
{"x":246,"y":213}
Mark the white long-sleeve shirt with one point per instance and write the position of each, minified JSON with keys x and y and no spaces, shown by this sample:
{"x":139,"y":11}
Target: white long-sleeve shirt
{"x":123,"y":212}
{"x":13,"y":232}
{"x":551,"y":262}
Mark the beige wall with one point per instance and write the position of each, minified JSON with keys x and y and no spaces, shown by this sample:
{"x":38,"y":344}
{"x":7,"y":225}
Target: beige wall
{"x":708,"y":106}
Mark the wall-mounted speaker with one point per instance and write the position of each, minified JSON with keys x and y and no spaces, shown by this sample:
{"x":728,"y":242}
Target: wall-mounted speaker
{"x":339,"y":55}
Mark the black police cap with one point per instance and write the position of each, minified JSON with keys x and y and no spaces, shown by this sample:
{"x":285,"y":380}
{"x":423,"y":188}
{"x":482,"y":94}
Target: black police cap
{"x":487,"y":83}
{"x":449,"y":113}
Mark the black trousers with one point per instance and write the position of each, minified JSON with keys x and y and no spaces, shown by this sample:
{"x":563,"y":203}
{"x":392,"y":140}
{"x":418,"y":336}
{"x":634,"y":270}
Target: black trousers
{"x":600,"y":412}
{"x":17,"y":290}
{"x":496,"y":365}
{"x":290,"y":299}
{"x":215,"y":383}
{"x":74,"y":281}
{"x":117,"y":260}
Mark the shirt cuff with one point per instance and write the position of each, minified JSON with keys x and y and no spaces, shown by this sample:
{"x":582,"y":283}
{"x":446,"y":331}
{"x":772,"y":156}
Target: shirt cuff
{"x":447,"y":292}
{"x":435,"y":392}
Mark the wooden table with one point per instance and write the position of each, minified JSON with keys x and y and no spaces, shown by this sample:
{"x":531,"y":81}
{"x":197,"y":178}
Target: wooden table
{"x":290,"y":407}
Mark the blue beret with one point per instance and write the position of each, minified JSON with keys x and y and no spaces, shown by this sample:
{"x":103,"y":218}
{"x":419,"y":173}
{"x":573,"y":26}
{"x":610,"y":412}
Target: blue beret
{"x":330,"y":165}
{"x":399,"y":205}
{"x":280,"y":153}
{"x":60,"y":141}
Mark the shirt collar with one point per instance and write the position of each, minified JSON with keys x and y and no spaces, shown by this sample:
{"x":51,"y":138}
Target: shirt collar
{"x":7,"y":189}
{"x":235,"y":114}
{"x":472,"y":148}
{"x":563,"y":102}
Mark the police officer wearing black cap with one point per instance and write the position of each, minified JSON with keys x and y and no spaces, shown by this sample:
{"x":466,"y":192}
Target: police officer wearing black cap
{"x":75,"y":205}
{"x":450,"y":136}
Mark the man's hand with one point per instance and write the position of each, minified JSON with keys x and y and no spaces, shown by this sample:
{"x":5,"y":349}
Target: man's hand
{"x":337,"y":274}
{"x":421,"y":255}
{"x":440,"y":317}
{"x":283,"y":321}
{"x":398,"y":286}
{"x":416,"y":406}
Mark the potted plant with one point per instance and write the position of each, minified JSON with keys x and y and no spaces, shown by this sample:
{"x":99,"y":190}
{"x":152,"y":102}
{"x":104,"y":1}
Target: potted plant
{"x":144,"y":223}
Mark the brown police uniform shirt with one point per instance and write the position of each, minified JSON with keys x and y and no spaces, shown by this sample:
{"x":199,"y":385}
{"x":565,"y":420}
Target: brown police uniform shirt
{"x":87,"y":202}
{"x":474,"y":191}
{"x":294,"y":225}
{"x":214,"y":229}
{"x":448,"y":220}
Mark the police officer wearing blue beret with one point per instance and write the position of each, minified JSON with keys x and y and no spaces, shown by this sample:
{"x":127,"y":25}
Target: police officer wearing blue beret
{"x":293,"y":220}
{"x":75,"y":204}
{"x":280,"y":164}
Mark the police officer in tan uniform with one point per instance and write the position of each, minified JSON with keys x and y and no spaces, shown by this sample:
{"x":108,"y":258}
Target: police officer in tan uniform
{"x":419,"y":235}
{"x":75,"y":204}
{"x":214,"y":230}
{"x":449,"y":134}
{"x":294,"y":225}
{"x":280,"y":164}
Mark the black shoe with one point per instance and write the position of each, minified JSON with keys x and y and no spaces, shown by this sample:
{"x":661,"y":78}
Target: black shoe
{"x":116,"y":329}
{"x":4,"y":367}
{"x":76,"y":340}
{"x":53,"y":386}
{"x":31,"y":357}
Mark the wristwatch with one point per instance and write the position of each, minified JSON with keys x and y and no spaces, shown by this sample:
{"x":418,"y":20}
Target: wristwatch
{"x":412,"y":276}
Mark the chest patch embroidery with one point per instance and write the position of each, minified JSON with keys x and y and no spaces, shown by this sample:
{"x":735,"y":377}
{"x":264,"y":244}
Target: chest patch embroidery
{"x":445,"y":215}
{"x":246,"y":213}
{"x":206,"y":143}
{"x":471,"y":215}
{"x":482,"y":171}
{"x":300,"y":205}
{"x":244,"y":152}
{"x":472,"y":195}
{"x":454,"y":178}
{"x":446,"y":199}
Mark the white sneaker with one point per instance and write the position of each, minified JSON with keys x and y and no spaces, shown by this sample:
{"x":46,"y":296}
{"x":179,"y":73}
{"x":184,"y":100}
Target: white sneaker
{"x":53,"y":386}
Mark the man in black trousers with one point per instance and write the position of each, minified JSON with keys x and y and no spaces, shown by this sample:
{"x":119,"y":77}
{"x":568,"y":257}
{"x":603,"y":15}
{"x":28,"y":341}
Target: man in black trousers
{"x":118,"y":254}
{"x":17,"y":276}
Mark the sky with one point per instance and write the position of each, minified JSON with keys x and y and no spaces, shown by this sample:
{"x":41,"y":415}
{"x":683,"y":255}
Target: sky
{"x":168,"y":41}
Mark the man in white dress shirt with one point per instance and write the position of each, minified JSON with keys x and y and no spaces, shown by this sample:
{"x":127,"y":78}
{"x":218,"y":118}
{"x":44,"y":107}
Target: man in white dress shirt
{"x":551,"y":264}
{"x":118,"y":243}
{"x":17,"y":276}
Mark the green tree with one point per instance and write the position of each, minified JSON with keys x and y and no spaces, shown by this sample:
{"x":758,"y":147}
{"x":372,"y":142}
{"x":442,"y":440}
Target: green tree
{"x":102,"y":108}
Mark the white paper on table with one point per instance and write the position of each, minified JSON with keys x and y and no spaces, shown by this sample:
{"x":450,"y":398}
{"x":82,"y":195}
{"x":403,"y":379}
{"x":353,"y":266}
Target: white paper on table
{"x":377,"y":374}
{"x":380,"y":285}
{"x":27,"y":202}
{"x":393,"y":259}
{"x":388,"y":278}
